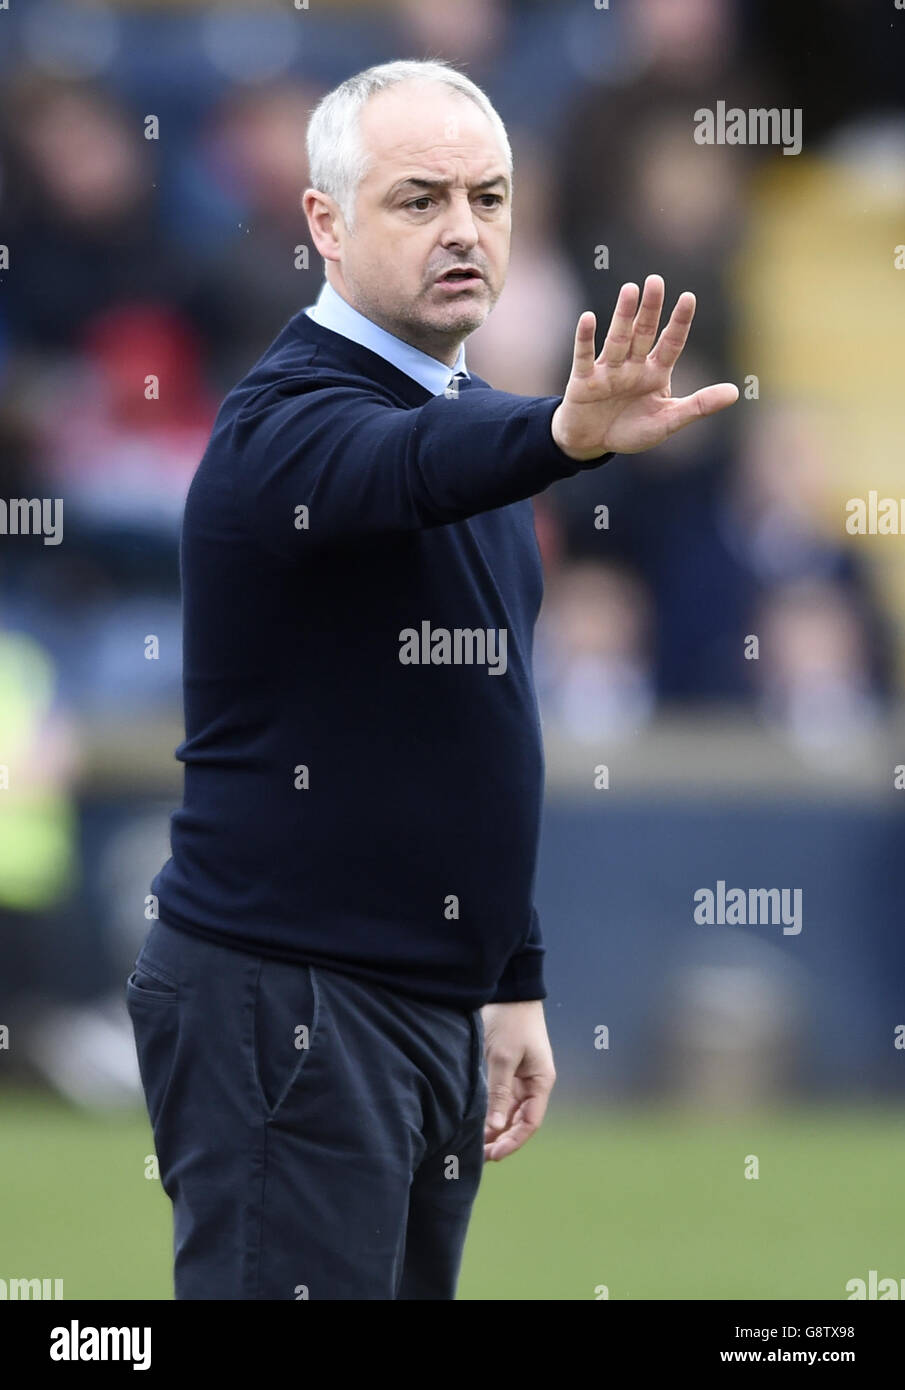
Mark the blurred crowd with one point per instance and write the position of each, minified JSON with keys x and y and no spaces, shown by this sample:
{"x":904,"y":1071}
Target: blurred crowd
{"x":151,"y":166}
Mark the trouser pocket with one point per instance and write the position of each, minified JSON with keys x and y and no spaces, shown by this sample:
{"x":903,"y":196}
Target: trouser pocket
{"x":287,"y":1030}
{"x":153,"y":1002}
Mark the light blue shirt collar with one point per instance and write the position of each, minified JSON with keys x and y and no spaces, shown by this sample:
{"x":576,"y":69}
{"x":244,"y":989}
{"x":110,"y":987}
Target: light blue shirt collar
{"x":330,"y":310}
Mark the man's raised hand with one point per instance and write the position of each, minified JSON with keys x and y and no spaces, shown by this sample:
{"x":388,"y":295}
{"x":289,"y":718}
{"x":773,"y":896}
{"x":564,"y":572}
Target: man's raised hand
{"x":619,"y":402}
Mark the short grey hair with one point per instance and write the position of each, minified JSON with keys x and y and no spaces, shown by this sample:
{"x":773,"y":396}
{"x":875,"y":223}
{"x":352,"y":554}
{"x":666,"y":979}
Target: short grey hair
{"x":337,"y":159}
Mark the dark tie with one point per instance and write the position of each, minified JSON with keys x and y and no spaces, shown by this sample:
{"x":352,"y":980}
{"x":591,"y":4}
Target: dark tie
{"x":459,"y":382}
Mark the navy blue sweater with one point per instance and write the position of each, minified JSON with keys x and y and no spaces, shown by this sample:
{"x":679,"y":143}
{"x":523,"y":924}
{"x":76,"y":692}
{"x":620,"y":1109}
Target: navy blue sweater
{"x":358,"y":795}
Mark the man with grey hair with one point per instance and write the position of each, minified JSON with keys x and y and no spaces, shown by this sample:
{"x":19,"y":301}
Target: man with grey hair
{"x":339,"y":1014}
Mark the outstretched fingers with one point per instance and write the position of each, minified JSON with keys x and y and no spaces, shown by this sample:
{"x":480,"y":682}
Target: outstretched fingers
{"x":675,"y":334}
{"x":583,"y":353}
{"x":707,"y":401}
{"x":647,"y":319}
{"x":619,"y":335}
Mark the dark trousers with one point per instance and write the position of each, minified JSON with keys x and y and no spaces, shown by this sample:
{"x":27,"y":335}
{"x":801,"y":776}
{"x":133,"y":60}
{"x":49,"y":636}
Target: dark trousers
{"x":318,"y":1136}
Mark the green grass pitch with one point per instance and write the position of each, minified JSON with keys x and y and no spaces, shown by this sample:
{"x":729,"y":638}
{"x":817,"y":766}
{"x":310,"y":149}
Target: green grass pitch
{"x":649,"y":1203}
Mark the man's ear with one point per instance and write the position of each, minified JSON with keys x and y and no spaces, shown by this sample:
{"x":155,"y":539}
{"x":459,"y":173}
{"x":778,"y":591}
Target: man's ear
{"x":324,"y":217}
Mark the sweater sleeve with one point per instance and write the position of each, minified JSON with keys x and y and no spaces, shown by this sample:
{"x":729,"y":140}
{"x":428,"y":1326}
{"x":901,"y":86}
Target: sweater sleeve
{"x":334,"y":463}
{"x":523,"y":976}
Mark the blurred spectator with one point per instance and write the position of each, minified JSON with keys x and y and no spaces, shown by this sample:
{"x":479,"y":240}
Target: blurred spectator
{"x":80,"y":211}
{"x":711,"y":543}
{"x":39,"y":867}
{"x":469,"y":33}
{"x":814,"y":673}
{"x":132,"y":419}
{"x":729,"y":1027}
{"x":540,"y":290}
{"x":250,"y":163}
{"x":658,"y":203}
{"x":119,"y":464}
{"x":592,"y":660}
{"x":37,"y":829}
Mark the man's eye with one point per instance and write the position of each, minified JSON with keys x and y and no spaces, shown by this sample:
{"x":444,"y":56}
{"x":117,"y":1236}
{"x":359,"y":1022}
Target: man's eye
{"x":424,"y":199}
{"x":495,"y":198}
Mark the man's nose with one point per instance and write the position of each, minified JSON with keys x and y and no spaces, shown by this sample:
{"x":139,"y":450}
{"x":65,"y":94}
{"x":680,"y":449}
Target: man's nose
{"x":459,"y":226}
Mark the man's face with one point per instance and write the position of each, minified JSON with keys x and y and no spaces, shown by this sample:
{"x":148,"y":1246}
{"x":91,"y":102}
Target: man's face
{"x":436,"y":196}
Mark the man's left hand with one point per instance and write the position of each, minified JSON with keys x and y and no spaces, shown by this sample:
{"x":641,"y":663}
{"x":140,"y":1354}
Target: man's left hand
{"x":520,"y":1074}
